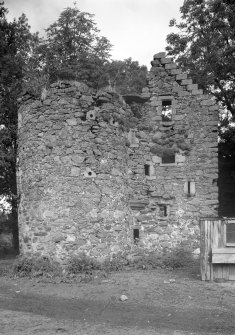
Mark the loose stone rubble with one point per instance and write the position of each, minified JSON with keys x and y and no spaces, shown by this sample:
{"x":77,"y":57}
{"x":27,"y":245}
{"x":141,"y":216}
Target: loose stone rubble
{"x":104,"y":175}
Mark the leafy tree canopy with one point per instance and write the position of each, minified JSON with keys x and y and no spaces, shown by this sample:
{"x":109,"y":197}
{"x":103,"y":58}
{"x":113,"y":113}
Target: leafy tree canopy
{"x":73,"y":48}
{"x":15,"y":46}
{"x":205,"y":46}
{"x":16,"y":43}
{"x":126,"y":77}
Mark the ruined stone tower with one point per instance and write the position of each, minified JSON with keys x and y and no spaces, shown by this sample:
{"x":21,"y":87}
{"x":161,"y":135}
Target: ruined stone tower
{"x":103,"y":175}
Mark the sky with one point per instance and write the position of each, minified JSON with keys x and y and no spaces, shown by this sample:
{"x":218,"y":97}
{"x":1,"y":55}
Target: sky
{"x":135,"y":28}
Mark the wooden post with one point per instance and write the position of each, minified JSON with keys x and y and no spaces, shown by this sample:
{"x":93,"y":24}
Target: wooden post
{"x":205,"y":249}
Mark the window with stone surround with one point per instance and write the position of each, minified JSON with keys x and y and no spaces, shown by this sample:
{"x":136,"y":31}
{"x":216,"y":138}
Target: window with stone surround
{"x":166,"y":110}
{"x":168,"y":158}
{"x":162,"y":210}
{"x":147,"y":169}
{"x":136,"y":235}
{"x":189,"y":188}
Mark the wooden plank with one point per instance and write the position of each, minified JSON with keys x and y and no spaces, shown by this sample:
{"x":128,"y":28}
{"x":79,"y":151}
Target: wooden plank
{"x":202,"y":250}
{"x":226,"y":271}
{"x":222,"y":235}
{"x":231,"y":271}
{"x":215,"y":230}
{"x":209,"y":269}
{"x":223,"y":251}
{"x":216,"y":271}
{"x":219,"y":271}
{"x":223,"y":258}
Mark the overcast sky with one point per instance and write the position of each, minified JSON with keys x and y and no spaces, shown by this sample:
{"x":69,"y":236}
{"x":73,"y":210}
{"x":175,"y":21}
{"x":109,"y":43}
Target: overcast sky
{"x":135,"y":28}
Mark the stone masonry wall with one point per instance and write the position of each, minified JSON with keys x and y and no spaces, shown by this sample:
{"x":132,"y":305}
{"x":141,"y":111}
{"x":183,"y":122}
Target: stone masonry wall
{"x":92,"y":175}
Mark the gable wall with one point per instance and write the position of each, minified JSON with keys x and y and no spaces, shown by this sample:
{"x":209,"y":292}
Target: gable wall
{"x":82,"y":157}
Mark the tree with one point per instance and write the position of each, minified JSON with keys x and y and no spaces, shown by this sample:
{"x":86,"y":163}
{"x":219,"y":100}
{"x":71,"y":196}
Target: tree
{"x":126,"y":77}
{"x":15,"y":46}
{"x":73,"y":48}
{"x":205,"y":47}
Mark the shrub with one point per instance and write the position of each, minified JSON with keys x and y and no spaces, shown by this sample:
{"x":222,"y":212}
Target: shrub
{"x":116,"y":264}
{"x":180,"y":257}
{"x":147,"y":261}
{"x":82,"y":263}
{"x":36,"y":266}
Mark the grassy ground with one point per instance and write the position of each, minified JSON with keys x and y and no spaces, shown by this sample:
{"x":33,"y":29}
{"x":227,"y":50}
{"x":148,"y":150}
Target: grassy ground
{"x":159,"y":301}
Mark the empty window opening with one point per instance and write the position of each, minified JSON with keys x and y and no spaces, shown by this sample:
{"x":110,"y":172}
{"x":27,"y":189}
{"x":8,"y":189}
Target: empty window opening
{"x":136,"y":235}
{"x":166,"y":110}
{"x":89,"y":173}
{"x":189,"y":182}
{"x":168,"y":158}
{"x":230,"y":233}
{"x":189,"y":188}
{"x":147,"y":170}
{"x":83,"y":118}
{"x":215,"y":181}
{"x":162,"y":210}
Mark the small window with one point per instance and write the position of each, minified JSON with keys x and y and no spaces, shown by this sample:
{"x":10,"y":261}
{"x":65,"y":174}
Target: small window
{"x":189,"y":188}
{"x":166,"y":110}
{"x":136,"y":235}
{"x":168,"y":158}
{"x":147,"y":170}
{"x":162,"y":210}
{"x":230,"y":233}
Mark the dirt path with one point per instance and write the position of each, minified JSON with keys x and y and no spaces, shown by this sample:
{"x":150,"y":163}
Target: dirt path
{"x":159,"y":302}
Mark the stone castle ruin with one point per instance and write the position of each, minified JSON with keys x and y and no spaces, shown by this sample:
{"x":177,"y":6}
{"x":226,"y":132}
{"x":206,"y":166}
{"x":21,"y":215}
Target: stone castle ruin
{"x":103,"y":175}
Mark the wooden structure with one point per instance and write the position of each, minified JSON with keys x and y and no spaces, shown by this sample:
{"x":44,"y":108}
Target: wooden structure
{"x":217,"y":249}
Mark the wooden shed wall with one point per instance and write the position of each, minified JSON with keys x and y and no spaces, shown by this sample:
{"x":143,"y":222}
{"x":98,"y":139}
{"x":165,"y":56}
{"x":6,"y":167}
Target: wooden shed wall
{"x":217,"y":258}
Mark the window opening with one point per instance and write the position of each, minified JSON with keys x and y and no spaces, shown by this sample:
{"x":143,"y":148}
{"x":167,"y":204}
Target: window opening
{"x":215,"y":181}
{"x":166,"y":110}
{"x":230,"y":233}
{"x":136,"y":235}
{"x":162,"y":210}
{"x":189,"y":188}
{"x":168,"y":158}
{"x":147,"y":170}
{"x":189,"y":191}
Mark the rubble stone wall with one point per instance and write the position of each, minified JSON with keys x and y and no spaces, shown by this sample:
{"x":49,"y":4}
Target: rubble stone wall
{"x":93,"y":177}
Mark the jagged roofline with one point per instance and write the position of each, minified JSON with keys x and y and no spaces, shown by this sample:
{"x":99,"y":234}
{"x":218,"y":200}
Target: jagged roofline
{"x":161,"y":60}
